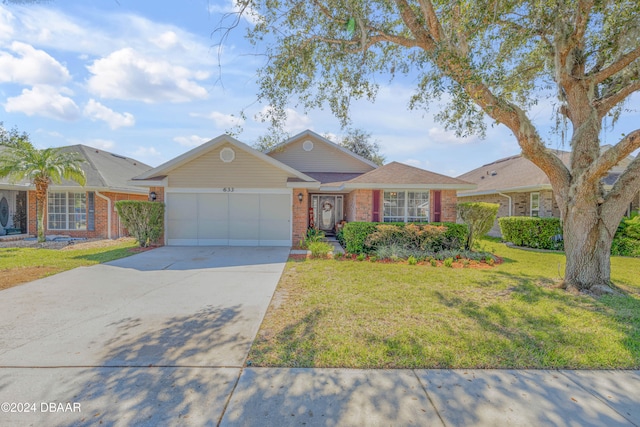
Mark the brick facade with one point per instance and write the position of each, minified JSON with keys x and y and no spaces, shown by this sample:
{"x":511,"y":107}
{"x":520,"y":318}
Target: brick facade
{"x":521,"y":206}
{"x":101,"y":216}
{"x":300,"y":215}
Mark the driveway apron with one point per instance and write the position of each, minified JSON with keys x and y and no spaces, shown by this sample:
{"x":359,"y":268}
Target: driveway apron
{"x":158,"y":334}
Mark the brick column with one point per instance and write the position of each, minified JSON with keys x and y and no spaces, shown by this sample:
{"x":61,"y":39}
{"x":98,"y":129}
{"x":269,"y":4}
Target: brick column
{"x":300,"y":214}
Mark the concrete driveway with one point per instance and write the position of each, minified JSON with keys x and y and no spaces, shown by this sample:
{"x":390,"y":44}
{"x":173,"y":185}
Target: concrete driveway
{"x":161,"y":335}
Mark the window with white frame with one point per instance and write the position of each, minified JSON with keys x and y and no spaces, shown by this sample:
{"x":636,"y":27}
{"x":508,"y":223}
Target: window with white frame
{"x":535,"y":204}
{"x":406,"y":206}
{"x":67,"y":211}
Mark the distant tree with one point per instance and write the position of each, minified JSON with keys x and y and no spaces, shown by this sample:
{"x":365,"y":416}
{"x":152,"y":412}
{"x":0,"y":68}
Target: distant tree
{"x":359,"y":141}
{"x":494,"y":59}
{"x":19,"y":160}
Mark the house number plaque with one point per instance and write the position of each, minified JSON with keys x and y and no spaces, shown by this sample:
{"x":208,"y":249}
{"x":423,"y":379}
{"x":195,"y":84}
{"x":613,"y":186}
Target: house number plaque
{"x":228,"y":189}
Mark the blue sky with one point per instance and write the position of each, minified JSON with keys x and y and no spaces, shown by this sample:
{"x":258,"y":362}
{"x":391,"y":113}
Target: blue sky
{"x":145,"y":79}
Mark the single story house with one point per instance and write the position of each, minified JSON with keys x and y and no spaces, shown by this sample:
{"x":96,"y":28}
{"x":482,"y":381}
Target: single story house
{"x":523,"y":189}
{"x":74,"y":210}
{"x":227,"y":193}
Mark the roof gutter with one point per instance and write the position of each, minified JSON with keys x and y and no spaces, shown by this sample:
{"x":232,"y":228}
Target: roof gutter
{"x":108,"y":212}
{"x":510,"y":202}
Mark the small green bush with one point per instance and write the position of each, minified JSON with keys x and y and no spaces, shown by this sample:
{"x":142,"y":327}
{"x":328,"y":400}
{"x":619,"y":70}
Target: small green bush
{"x":433,"y":263}
{"x":360,"y":257}
{"x":412,"y":260}
{"x":319,"y":249}
{"x":448,"y":262}
{"x":626,"y":242}
{"x":313,"y":235}
{"x":479,"y":218}
{"x":373,"y":258}
{"x":143,"y":220}
{"x":338,"y":255}
{"x":354,"y":235}
{"x":539,"y":233}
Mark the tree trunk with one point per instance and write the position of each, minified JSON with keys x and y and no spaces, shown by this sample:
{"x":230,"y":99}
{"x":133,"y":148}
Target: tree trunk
{"x":587,"y":244}
{"x":42,"y":186}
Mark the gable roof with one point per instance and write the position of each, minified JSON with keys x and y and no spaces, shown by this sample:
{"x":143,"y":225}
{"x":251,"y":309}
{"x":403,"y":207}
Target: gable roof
{"x":160,"y":172}
{"x":310,"y":133}
{"x":395,"y":175}
{"x":104,"y":171}
{"x":517,"y":173}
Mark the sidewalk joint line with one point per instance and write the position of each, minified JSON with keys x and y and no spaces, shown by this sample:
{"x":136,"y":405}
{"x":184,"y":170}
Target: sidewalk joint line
{"x":428,"y":397}
{"x":562,"y":372}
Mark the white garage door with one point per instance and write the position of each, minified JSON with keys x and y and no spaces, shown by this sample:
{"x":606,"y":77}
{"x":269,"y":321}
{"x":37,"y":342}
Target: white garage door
{"x":235,"y":219}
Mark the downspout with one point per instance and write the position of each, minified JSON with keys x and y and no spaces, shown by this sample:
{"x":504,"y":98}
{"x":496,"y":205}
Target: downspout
{"x":108,"y":212}
{"x":510,"y":203}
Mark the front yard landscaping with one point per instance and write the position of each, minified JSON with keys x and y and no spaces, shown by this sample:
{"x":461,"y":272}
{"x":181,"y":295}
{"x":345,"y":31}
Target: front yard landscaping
{"x":336,"y":313}
{"x":19,"y":264}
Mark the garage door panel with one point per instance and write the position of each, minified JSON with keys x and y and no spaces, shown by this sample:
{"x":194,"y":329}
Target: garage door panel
{"x":275,"y":225}
{"x":238,"y":219}
{"x":213,"y":219}
{"x":181,"y":218}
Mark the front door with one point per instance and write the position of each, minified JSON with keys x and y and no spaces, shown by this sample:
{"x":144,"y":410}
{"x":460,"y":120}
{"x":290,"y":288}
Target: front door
{"x":326,"y":211}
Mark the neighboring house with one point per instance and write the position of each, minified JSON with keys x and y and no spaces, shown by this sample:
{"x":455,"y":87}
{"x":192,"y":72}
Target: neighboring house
{"x":227,"y":193}
{"x":523,"y":189}
{"x":75,"y":210}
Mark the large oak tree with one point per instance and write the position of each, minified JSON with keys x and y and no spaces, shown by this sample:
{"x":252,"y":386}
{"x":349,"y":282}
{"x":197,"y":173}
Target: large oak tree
{"x":494,"y":58}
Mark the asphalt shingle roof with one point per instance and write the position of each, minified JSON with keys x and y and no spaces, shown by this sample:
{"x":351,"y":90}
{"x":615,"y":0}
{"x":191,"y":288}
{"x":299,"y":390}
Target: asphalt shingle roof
{"x":399,"y":173}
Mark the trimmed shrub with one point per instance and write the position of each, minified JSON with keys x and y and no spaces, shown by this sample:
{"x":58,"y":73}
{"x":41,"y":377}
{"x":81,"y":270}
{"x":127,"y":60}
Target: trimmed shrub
{"x":539,"y":233}
{"x":626,"y":242}
{"x":479,"y":218}
{"x":313,"y":235}
{"x":144,"y":220}
{"x":354,"y":237}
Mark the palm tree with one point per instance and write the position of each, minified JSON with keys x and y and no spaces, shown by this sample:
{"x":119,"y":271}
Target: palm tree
{"x":19,"y":160}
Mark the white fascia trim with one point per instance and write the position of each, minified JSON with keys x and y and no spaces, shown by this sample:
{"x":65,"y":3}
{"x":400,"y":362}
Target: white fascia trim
{"x":78,"y":189}
{"x":523,"y":189}
{"x":207,"y":146}
{"x":312,"y":185}
{"x":235,"y":190}
{"x":410,"y":186}
{"x":19,"y":187}
{"x":148,"y":182}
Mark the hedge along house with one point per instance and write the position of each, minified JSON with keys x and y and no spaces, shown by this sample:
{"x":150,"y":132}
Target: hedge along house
{"x":227,"y":193}
{"x":73,"y":210}
{"x":523,"y":189}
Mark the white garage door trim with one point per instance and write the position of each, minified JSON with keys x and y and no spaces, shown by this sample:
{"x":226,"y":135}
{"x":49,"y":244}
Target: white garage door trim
{"x":266,"y":226}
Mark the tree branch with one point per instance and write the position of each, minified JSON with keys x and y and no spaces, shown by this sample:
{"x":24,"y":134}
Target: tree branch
{"x":603,"y":106}
{"x":613,"y":156}
{"x":617,"y":66}
{"x":617,"y":200}
{"x":411,"y":21}
{"x":433,"y":24}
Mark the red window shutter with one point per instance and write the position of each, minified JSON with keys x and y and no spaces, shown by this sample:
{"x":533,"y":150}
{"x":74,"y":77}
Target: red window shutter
{"x":376,"y":206}
{"x":437,"y":206}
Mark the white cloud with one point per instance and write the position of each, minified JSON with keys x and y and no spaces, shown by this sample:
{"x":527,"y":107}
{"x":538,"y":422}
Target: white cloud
{"x":31,"y":66}
{"x":232,"y":7}
{"x":126,"y":74}
{"x":145,"y":152}
{"x":96,"y":111}
{"x":294,"y":123}
{"x":6,"y":24}
{"x":166,"y":40}
{"x":191,"y":141}
{"x":102,"y":144}
{"x":43,"y":101}
{"x":222,"y":120}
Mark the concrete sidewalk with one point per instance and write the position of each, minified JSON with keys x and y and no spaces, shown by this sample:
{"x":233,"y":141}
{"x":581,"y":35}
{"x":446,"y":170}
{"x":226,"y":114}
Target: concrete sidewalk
{"x":342,"y":397}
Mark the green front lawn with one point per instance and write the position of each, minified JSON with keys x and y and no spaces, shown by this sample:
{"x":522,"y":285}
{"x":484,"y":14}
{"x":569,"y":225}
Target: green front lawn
{"x":20,"y":265}
{"x":329,"y":313}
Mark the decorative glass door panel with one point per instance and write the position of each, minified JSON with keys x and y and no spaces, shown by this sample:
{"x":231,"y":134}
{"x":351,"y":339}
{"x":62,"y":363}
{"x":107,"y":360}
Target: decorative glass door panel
{"x":327,"y":211}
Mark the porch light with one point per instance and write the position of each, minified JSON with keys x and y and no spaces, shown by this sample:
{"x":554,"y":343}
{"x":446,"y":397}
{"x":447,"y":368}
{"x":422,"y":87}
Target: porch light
{"x":300,"y":197}
{"x":153,"y":196}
